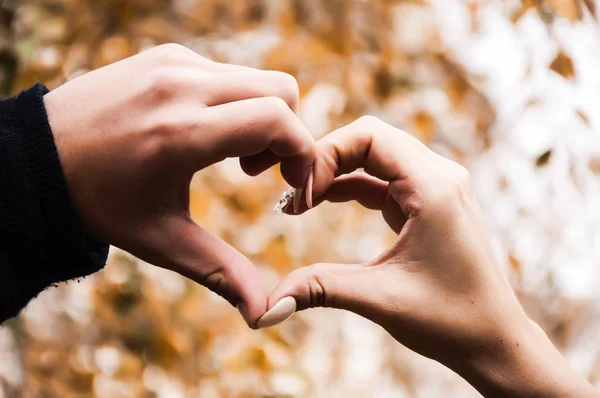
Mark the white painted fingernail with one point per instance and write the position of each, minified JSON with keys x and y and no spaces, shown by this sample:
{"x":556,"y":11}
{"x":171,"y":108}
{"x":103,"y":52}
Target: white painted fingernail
{"x":281,"y":311}
{"x":297,"y":196}
{"x":309,"y":189}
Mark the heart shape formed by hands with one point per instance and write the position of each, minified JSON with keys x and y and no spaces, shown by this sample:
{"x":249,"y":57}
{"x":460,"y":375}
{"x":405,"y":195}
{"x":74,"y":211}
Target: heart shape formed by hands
{"x":438,"y":289}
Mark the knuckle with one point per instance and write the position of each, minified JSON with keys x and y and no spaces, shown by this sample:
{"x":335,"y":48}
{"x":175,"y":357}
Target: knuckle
{"x":170,"y":50}
{"x":318,"y":286}
{"x":213,"y":280}
{"x":167,"y":55}
{"x":365,"y":129}
{"x":160,"y":141}
{"x":164,"y":84}
{"x":457,"y":187}
{"x":216,"y":281}
{"x":312,"y":286}
{"x":369,"y":126}
{"x":463,"y":176}
{"x":367,"y":121}
{"x":414,"y":204}
{"x":166,"y":128}
{"x":317,"y":291}
{"x":276,"y":111}
{"x":287,"y":84}
{"x":168,"y":136}
{"x":276,"y":105}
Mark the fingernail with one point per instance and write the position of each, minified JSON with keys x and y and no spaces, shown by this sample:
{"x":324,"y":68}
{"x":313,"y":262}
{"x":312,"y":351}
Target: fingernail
{"x":297,"y":196}
{"x":281,"y":311}
{"x":309,"y":189}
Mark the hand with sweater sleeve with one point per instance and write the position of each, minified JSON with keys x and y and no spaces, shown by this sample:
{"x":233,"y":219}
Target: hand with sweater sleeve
{"x":41,"y":241}
{"x":109,"y":156}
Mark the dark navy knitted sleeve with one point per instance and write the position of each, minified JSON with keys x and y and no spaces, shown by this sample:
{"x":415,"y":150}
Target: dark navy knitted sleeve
{"x":41,"y":242}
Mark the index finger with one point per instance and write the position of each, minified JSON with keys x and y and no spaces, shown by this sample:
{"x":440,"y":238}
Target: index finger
{"x":382,"y":150}
{"x":253,"y":126}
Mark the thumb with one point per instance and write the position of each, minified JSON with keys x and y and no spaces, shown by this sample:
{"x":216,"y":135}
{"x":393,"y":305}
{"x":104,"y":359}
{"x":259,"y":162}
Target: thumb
{"x":351,"y":287}
{"x":197,"y":254}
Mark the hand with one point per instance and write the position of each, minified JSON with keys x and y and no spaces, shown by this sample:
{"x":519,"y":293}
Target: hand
{"x":131,"y":135}
{"x":439,"y":289}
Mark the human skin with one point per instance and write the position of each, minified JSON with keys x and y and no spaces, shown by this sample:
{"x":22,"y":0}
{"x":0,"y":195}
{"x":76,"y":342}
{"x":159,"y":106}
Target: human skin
{"x":439,"y":289}
{"x":131,"y":135}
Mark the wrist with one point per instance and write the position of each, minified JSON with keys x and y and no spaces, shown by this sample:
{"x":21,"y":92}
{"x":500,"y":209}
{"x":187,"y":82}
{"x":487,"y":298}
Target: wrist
{"x":523,"y":362}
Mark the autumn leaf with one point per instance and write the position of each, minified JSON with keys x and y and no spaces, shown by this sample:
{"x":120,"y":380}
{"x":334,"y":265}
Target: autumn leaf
{"x":563,"y":65}
{"x":591,"y":6}
{"x":570,"y":9}
{"x":383,"y":83}
{"x":525,"y":7}
{"x":425,"y":125}
{"x":594,"y":165}
{"x":516,"y":17}
{"x":583,"y":117}
{"x":531,"y":3}
{"x":514,"y":263}
{"x":543,"y":159}
{"x":457,"y":84}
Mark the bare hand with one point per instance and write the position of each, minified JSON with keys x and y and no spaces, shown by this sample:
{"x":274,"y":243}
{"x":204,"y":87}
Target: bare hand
{"x":439,"y":290}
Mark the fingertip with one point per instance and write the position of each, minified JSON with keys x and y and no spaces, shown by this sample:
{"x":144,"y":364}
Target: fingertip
{"x":256,"y":164}
{"x":281,"y":311}
{"x":296,"y":170}
{"x":244,"y":312}
{"x":250,"y":171}
{"x":248,"y":316}
{"x":322,"y":174}
{"x":248,"y":167}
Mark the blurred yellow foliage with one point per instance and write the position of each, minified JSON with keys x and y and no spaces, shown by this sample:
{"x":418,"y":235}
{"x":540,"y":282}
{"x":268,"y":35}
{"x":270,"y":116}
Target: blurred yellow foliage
{"x":142,"y":332}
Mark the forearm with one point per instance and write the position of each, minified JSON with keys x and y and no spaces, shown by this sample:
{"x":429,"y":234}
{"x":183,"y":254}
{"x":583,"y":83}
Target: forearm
{"x":528,"y":366}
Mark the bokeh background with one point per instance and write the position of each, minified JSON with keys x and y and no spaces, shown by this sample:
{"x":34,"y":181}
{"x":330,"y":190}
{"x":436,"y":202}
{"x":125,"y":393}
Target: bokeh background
{"x":510,"y":89}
